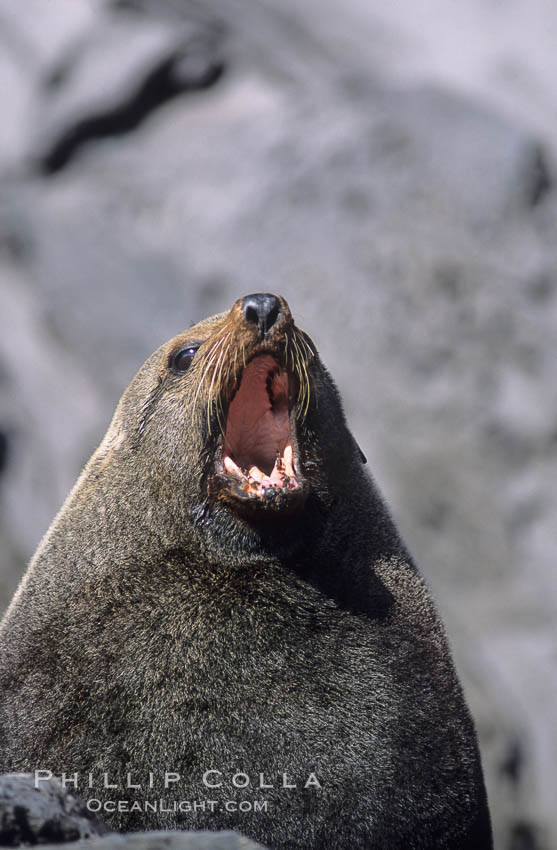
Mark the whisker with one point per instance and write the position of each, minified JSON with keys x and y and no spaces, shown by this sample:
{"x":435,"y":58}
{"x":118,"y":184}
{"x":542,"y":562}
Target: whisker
{"x":223,"y":376}
{"x":301,"y":381}
{"x":210,"y":357}
{"x":310,"y":350}
{"x":216,"y":372}
{"x":303,"y":365}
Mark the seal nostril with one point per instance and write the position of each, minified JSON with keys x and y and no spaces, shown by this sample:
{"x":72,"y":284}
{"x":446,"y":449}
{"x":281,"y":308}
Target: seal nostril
{"x":262,"y":309}
{"x":251,"y":315}
{"x":272,"y":317}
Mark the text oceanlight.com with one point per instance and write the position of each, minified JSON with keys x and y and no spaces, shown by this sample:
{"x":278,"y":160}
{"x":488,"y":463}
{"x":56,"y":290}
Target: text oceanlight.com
{"x":173,"y":806}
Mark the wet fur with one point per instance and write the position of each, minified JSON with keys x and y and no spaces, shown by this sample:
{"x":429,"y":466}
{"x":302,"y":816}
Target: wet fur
{"x":157,"y":630}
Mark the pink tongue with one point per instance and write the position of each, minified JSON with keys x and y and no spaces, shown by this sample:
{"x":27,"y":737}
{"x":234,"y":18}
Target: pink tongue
{"x":257,"y":429}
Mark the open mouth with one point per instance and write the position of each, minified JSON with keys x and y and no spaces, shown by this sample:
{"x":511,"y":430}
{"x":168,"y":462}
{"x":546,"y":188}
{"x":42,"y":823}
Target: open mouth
{"x":258,"y":456}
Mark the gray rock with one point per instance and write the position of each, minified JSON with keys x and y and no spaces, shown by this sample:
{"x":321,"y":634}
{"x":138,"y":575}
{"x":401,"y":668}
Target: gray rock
{"x":109,"y":83}
{"x":46,"y":815}
{"x":168,"y":841}
{"x":51,"y":815}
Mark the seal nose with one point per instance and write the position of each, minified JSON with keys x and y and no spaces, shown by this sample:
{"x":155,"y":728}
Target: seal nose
{"x":262,"y":309}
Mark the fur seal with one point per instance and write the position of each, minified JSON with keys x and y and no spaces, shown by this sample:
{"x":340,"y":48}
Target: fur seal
{"x":224,"y":613}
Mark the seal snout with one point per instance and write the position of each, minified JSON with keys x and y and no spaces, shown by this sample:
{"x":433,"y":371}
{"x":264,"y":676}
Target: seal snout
{"x":262,"y":309}
{"x":259,"y":378}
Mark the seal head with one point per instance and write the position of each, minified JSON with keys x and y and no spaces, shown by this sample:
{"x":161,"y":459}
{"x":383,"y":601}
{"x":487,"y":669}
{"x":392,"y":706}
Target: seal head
{"x":235,"y":425}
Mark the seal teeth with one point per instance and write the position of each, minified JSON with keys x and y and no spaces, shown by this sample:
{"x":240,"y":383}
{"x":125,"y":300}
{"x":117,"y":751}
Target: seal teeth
{"x":256,"y":474}
{"x":288,"y":461}
{"x":232,"y":467}
{"x":254,"y":481}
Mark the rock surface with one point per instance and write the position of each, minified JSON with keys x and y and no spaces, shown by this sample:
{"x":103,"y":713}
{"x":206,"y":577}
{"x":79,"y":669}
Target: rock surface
{"x":45,"y":815}
{"x":393,"y":177}
{"x":50,"y":815}
{"x":167,"y":841}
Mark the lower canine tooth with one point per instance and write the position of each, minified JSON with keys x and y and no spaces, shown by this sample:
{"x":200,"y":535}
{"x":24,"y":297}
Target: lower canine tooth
{"x":255,"y":473}
{"x":277,"y":474}
{"x":231,"y":467}
{"x":288,"y":458}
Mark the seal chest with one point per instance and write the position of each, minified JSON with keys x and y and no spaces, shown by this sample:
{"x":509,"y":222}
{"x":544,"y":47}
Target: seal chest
{"x":223,"y":619}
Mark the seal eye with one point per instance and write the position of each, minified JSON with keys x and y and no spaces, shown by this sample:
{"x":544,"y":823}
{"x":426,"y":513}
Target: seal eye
{"x":181,"y":361}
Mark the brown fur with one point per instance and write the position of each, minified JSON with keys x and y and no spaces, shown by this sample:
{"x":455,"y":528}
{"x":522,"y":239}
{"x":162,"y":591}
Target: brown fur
{"x":160,"y":627}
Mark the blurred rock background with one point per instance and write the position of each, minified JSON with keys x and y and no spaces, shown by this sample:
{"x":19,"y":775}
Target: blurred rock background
{"x":389,"y":169}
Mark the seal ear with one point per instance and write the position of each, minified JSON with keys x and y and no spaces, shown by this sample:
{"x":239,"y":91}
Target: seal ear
{"x":363,"y":458}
